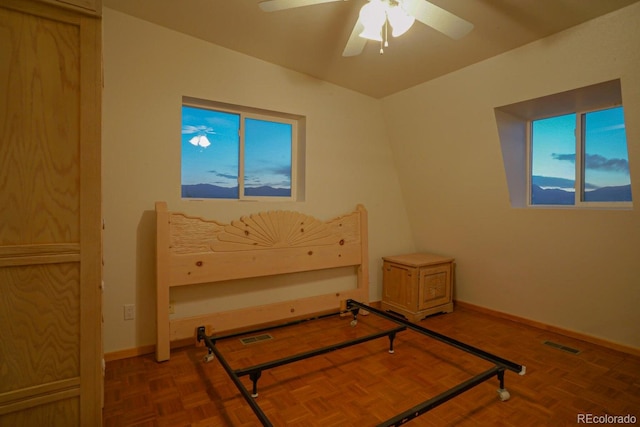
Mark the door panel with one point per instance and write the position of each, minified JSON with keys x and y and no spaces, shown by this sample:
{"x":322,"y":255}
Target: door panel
{"x":40,"y":314}
{"x":435,"y":286}
{"x":398,"y":285}
{"x":39,"y":155}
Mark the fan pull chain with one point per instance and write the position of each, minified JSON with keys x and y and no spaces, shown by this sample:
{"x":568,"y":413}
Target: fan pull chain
{"x":386,"y":37}
{"x":386,"y":33}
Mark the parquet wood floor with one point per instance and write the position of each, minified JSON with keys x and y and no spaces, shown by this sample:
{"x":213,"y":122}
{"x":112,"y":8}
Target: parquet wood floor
{"x":365,"y":385}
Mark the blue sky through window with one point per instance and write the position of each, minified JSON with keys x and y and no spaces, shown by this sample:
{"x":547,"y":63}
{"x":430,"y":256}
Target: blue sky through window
{"x":605,"y":162}
{"x":607,"y":159}
{"x":216,"y":163}
{"x":211,"y":155}
{"x":554,"y":150}
{"x":267,"y":158}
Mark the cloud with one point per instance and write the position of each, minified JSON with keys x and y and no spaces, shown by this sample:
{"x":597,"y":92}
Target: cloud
{"x":613,"y":127}
{"x":223,"y":175}
{"x":596,"y":162}
{"x":282,"y":170}
{"x":271,"y":169}
{"x":564,"y":157}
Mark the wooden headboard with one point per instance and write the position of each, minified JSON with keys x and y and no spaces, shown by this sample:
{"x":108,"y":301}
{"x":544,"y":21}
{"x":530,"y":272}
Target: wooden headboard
{"x":192,"y":250}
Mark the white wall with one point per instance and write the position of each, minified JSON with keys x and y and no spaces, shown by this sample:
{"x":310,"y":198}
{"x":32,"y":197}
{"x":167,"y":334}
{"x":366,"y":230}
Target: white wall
{"x":147,"y":70}
{"x":574,"y":269}
{"x":577,"y":270}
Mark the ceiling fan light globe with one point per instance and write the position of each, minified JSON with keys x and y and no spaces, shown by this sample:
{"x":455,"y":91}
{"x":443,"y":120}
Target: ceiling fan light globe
{"x":373,"y":16}
{"x":400,"y":20}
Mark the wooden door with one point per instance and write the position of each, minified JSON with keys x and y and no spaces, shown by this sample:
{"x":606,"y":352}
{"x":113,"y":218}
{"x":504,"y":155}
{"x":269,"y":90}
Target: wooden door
{"x":50,"y":219}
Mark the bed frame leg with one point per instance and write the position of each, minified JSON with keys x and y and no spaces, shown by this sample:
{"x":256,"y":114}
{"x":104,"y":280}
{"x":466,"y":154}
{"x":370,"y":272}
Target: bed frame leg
{"x":503,"y":394}
{"x":209,"y":356}
{"x":354,"y":312}
{"x":201,"y":334}
{"x":392,"y":336}
{"x":255,"y":376}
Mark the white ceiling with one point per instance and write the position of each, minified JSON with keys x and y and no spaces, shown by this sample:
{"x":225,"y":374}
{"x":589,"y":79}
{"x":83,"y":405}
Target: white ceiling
{"x":311,"y":39}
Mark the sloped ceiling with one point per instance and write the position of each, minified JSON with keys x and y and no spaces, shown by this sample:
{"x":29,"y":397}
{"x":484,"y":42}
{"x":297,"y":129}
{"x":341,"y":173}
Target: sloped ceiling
{"x":311,"y":39}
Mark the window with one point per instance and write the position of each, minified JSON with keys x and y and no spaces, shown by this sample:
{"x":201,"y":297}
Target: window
{"x":580,"y":158}
{"x":567,"y":149}
{"x":231,"y":152}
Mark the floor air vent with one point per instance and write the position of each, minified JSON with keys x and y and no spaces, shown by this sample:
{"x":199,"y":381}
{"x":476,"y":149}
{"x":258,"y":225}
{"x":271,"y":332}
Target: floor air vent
{"x":561,"y":347}
{"x":255,"y":339}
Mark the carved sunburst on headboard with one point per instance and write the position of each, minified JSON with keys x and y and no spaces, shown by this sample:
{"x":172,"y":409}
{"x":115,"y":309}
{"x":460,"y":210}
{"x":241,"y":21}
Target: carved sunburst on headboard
{"x":275,"y":229}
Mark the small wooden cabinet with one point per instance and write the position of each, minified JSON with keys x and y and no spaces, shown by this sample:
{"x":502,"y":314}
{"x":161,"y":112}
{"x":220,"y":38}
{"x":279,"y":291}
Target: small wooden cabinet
{"x":417,"y":285}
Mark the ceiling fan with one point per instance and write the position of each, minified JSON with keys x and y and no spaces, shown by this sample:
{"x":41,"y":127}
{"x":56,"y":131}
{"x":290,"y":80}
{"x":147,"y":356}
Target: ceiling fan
{"x":377,"y":15}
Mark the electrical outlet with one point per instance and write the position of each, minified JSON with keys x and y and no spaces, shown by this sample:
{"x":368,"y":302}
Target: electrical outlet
{"x":129,"y":311}
{"x":172,"y":308}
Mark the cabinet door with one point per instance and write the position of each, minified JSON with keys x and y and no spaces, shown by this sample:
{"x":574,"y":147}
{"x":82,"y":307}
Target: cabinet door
{"x":50,"y":342}
{"x":398,"y":285}
{"x":435,"y":286}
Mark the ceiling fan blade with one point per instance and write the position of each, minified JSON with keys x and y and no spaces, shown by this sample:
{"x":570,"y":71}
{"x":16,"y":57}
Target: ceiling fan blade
{"x":438,"y":18}
{"x":276,"y":5}
{"x":355,"y":44}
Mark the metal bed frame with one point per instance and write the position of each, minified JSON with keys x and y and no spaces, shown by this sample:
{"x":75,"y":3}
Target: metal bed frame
{"x":254,"y":372}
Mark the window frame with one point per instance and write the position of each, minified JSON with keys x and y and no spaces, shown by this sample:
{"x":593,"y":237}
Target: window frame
{"x":297,"y":123}
{"x":513,"y":130}
{"x":241,"y":155}
{"x":579,"y":172}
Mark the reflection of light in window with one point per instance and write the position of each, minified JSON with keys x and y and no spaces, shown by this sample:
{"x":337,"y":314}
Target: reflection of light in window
{"x":237,"y":154}
{"x":200,"y":141}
